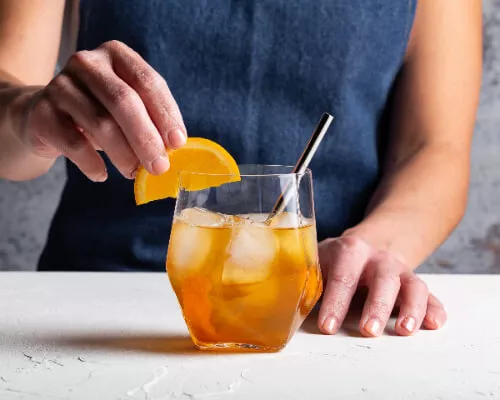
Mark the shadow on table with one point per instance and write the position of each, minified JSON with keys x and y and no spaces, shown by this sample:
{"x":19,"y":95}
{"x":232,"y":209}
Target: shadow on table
{"x":172,"y":344}
{"x":168,"y":344}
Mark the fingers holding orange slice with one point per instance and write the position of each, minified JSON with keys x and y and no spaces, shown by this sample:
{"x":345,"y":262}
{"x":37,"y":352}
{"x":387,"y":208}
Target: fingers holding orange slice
{"x":214,"y":164}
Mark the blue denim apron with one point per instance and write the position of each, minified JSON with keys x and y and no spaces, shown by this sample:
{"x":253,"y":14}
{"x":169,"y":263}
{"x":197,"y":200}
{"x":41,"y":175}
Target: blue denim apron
{"x":255,"y":76}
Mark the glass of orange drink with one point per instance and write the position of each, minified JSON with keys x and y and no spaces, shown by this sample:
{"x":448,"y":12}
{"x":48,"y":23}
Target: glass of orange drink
{"x":244,"y":281}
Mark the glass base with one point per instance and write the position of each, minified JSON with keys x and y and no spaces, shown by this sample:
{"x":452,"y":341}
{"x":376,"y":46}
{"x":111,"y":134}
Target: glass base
{"x":238,"y":347}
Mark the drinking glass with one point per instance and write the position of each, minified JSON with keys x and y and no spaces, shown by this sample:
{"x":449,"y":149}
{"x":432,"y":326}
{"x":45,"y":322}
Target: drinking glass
{"x":243,"y":280}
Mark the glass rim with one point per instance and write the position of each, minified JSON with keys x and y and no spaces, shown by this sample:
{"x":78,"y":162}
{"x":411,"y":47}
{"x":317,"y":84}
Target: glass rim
{"x":255,"y":175}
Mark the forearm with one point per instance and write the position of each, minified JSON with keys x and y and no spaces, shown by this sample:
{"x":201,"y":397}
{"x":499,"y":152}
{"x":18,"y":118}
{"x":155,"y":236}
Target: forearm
{"x":423,"y":192}
{"x":417,"y":204}
{"x":30,"y":32}
{"x":16,"y":161}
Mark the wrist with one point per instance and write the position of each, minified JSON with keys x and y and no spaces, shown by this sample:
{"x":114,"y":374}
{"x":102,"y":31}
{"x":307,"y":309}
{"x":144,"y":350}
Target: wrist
{"x":383,"y":236}
{"x":19,"y":101}
{"x":18,"y":159}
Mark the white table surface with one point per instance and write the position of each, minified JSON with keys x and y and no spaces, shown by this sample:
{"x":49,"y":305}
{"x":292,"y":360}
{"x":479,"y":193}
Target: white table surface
{"x":121,"y":336}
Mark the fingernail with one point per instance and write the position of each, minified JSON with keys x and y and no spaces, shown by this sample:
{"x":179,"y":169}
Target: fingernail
{"x":177,"y":138}
{"x":101,"y":177}
{"x":160,"y":165}
{"x":433,"y":322}
{"x":330,"y":325}
{"x":409,"y":324}
{"x":373,"y":327}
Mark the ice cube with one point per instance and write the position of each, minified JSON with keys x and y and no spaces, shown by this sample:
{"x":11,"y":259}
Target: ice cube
{"x":251,"y":252}
{"x":201,"y":217}
{"x":286,"y":220}
{"x":254,"y":218}
{"x":298,"y":248}
{"x":189,"y":248}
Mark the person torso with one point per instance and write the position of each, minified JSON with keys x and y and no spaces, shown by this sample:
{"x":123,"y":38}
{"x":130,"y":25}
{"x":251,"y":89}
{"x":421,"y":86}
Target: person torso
{"x":255,"y":76}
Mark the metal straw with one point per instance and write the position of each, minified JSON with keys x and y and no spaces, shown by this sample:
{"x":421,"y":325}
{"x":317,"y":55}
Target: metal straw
{"x":303,"y":163}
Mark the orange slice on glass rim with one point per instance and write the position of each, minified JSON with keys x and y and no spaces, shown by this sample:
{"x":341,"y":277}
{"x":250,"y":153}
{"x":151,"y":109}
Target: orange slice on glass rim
{"x":211,"y":161}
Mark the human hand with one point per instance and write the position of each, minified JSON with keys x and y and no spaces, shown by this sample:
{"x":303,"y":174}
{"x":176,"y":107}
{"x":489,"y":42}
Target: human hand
{"x":349,"y":262}
{"x":106,"y":99}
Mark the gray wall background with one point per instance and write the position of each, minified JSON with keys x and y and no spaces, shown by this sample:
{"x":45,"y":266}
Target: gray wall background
{"x":26,"y":208}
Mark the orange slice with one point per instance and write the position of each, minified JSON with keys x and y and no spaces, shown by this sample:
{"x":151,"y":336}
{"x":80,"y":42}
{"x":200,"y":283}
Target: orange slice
{"x":215,"y":165}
